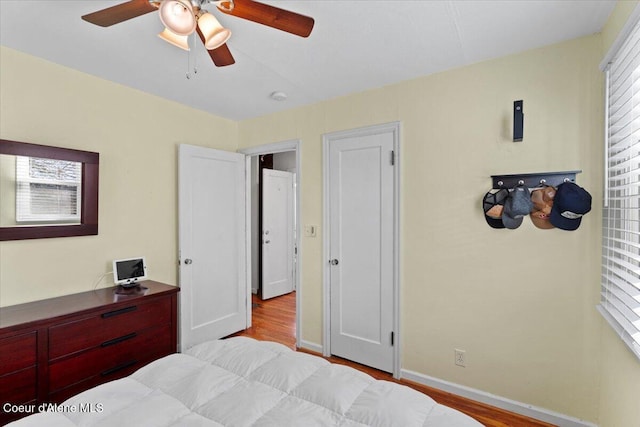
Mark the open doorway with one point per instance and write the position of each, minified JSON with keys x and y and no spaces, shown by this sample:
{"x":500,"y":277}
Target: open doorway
{"x":283,"y":161}
{"x":273,"y":228}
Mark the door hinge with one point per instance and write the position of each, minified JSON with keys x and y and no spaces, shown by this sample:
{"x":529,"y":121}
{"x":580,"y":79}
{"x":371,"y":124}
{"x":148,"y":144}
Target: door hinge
{"x":392,"y":338}
{"x":393,"y":158}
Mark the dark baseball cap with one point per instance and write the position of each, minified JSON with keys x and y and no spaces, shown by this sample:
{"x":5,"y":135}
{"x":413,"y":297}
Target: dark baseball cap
{"x":493,"y":205}
{"x":570,"y":204}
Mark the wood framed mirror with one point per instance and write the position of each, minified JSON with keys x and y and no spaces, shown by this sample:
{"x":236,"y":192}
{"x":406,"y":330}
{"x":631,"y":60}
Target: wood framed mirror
{"x":47,"y":191}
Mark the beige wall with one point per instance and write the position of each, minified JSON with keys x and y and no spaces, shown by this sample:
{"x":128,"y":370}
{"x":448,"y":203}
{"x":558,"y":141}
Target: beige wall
{"x":137,"y":136}
{"x":520,"y":302}
{"x":620,"y":370}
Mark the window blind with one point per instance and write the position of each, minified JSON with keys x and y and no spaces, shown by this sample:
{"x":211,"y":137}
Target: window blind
{"x":47,"y":190}
{"x":620,"y":294}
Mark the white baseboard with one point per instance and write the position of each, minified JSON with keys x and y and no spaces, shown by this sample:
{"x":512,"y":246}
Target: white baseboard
{"x":308,"y":345}
{"x":497,"y":401}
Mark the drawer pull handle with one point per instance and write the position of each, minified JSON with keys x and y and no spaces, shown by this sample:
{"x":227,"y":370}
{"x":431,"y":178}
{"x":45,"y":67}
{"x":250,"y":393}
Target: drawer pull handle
{"x":118,"y":368}
{"x":119,"y":339}
{"x":119,"y":312}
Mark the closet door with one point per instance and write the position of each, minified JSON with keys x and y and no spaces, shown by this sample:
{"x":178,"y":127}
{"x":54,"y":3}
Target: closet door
{"x":361,"y":245}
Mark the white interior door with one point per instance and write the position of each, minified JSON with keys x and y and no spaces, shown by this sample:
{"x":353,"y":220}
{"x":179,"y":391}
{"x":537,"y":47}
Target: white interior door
{"x":277,"y":233}
{"x":212,"y":239}
{"x":361,"y":246}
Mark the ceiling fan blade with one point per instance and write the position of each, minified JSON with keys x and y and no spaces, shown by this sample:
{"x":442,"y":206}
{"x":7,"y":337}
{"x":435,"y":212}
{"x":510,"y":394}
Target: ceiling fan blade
{"x":120,"y":12}
{"x":221,"y":56}
{"x":271,"y":16}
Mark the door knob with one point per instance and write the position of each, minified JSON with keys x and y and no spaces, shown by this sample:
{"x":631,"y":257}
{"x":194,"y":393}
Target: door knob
{"x":333,"y":262}
{"x":267,"y":242}
{"x":188,"y":261}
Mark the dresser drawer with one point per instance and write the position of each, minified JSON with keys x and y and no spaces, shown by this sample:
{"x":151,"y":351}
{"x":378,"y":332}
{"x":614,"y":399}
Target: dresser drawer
{"x":93,"y":331}
{"x":17,"y":352}
{"x":19,"y":387}
{"x":59,"y":396}
{"x":106,"y":362}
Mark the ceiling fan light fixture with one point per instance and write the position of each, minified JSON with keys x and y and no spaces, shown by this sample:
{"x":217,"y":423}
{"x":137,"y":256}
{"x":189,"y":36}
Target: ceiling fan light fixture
{"x":179,"y":41}
{"x":215,"y":35}
{"x":178,"y":16}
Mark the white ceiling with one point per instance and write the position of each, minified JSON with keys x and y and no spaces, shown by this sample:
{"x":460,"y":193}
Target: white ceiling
{"x":355,"y":45}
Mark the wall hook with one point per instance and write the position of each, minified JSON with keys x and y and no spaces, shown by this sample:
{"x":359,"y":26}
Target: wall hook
{"x":532,"y":180}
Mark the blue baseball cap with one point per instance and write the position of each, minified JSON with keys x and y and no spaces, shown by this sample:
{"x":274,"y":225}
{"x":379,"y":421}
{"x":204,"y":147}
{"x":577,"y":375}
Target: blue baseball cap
{"x":569,"y":205}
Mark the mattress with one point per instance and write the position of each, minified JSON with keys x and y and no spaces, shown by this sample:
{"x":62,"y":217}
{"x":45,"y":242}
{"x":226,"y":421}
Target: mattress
{"x":244,"y":382}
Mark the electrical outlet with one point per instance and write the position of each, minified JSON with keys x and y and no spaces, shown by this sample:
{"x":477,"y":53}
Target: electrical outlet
{"x":460,"y":357}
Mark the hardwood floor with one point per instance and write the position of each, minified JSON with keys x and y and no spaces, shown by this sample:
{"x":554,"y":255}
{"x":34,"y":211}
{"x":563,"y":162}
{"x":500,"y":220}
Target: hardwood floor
{"x":275,"y":320}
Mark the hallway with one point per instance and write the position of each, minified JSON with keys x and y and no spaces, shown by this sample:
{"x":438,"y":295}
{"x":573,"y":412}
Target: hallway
{"x":273,"y":320}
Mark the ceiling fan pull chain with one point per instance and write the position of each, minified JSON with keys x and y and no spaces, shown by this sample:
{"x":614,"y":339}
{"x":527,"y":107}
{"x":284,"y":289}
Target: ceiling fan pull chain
{"x":195,"y":57}
{"x":191,"y":41}
{"x":188,"y":73}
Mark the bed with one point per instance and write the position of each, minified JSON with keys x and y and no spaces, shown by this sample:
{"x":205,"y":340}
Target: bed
{"x":244,"y":382}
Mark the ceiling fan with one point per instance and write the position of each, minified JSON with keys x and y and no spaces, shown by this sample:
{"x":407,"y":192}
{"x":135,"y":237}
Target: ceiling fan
{"x":184,"y":17}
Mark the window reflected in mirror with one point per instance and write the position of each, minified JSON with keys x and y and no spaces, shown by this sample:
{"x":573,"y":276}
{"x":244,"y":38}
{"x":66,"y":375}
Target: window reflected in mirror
{"x":38,"y":191}
{"x":47,"y":191}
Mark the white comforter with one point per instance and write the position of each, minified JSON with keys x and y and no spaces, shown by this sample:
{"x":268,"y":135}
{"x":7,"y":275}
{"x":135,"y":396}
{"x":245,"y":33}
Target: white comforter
{"x":244,"y":382}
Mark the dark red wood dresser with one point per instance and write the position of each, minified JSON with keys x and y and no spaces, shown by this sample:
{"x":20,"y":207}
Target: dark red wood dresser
{"x":55,"y":348}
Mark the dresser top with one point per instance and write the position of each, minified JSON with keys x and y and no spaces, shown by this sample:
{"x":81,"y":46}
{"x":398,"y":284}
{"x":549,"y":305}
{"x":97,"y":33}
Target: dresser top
{"x":47,"y":309}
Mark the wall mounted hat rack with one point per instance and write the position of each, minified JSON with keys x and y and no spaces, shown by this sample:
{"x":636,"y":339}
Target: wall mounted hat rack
{"x":533,"y":180}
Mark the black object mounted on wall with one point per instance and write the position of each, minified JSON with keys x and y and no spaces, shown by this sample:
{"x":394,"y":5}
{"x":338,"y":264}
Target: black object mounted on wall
{"x":533,"y":180}
{"x":518,"y":121}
